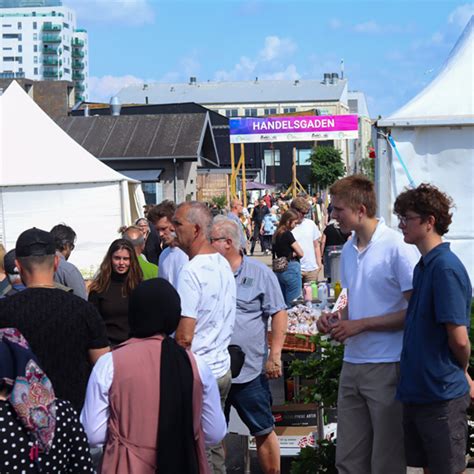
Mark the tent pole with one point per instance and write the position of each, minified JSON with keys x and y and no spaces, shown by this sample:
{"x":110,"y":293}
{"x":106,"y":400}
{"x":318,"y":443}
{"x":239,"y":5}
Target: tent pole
{"x":244,"y":184}
{"x":175,"y":174}
{"x":124,"y":199}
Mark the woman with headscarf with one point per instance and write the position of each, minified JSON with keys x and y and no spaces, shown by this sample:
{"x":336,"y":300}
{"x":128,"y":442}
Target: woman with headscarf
{"x":153,"y":404}
{"x":40,"y":433}
{"x":109,"y":292}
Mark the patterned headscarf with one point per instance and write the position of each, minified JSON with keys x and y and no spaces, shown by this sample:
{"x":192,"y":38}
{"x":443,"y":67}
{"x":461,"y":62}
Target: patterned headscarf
{"x":31,"y":395}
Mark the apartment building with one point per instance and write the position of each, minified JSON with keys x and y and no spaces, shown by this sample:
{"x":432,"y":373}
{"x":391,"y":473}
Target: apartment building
{"x":39,"y":40}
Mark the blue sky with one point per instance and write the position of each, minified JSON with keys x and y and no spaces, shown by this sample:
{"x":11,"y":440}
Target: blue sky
{"x":391,"y":49}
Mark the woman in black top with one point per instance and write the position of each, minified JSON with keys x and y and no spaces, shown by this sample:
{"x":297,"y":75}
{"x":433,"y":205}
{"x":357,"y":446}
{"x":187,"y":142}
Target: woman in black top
{"x":333,"y":239}
{"x":285,"y":245}
{"x":118,"y":275}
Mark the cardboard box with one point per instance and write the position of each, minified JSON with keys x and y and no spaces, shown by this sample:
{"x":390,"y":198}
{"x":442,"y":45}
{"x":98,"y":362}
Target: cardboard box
{"x":291,"y":438}
{"x":295,"y":414}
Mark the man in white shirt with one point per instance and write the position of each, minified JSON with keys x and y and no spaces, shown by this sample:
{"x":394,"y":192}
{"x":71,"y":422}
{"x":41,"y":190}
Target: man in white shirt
{"x":377,"y":270}
{"x":308,"y":236}
{"x":207,"y":288}
{"x":172,"y":258}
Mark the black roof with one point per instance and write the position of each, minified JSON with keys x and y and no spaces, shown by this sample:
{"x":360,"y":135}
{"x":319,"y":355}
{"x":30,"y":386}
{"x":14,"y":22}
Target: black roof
{"x":186,"y":137}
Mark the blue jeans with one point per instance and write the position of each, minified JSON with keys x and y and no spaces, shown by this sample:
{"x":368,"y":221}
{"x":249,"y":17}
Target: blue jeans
{"x":290,"y":282}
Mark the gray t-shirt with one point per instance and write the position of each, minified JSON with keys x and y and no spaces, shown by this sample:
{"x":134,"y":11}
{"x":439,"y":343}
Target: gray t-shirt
{"x":258,"y":297}
{"x":68,"y":275}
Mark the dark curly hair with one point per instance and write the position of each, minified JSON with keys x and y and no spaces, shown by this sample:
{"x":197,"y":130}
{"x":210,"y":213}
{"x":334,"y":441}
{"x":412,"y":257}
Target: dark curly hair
{"x":426,"y":200}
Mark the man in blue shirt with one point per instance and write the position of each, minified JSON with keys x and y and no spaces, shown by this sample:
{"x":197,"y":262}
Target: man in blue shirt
{"x":434,"y":383}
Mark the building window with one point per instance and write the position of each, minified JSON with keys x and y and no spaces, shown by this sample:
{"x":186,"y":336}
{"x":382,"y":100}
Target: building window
{"x":35,"y":71}
{"x":20,"y":60}
{"x":35,"y":59}
{"x":8,"y":59}
{"x":232,"y":112}
{"x":67,"y":71}
{"x":35,"y":36}
{"x":11,"y":36}
{"x":66,"y":48}
{"x":251,"y":112}
{"x":7,"y":26}
{"x":35,"y":48}
{"x":19,"y":25}
{"x":35,"y":25}
{"x":66,"y":25}
{"x":289,"y":110}
{"x":302,"y":157}
{"x":270,"y":111}
{"x":7,"y":49}
{"x":272,"y":157}
{"x":20,"y":48}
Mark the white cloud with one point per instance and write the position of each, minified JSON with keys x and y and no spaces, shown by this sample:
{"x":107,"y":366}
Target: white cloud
{"x":335,"y":23}
{"x":367,"y":27}
{"x":129,"y":12}
{"x":266,"y":63}
{"x":461,"y":15}
{"x":276,"y":47}
{"x":101,"y":89}
{"x":289,"y":73}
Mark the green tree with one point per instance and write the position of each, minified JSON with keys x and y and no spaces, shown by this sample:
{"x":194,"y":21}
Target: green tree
{"x":326,"y":166}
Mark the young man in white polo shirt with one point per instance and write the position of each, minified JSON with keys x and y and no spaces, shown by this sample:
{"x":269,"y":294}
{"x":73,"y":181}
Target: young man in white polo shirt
{"x":377,"y":270}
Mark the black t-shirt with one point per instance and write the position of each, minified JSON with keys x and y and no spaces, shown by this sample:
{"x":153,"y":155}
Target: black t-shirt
{"x":334,"y":236}
{"x":259,"y":213}
{"x":60,"y":329}
{"x":282,"y":246}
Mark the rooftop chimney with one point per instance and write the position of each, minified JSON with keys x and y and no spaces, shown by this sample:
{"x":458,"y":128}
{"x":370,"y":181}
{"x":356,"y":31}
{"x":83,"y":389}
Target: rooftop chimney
{"x":326,"y":78}
{"x":334,"y":78}
{"x":297,"y":81}
{"x":115,"y":106}
{"x":192,"y":80}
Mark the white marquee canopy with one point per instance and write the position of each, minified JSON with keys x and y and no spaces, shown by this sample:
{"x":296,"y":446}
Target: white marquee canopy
{"x":434,"y":134}
{"x":47,"y":178}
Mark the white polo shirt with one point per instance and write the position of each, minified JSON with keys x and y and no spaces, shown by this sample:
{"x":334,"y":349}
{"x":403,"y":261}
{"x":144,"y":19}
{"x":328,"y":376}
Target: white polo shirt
{"x":376,"y":278}
{"x":305,"y":234}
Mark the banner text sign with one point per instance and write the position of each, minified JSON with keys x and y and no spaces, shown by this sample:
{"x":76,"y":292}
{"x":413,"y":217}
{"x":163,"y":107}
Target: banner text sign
{"x":291,"y":129}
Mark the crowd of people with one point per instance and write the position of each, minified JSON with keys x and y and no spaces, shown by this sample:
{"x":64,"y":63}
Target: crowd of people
{"x":137,"y":370}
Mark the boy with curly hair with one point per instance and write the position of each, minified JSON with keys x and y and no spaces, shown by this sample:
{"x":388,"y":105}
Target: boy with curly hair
{"x":434,"y":383}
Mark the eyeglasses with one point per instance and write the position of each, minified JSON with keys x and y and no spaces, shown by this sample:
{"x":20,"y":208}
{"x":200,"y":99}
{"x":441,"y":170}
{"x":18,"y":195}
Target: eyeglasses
{"x":214,"y":239}
{"x":403,"y":220}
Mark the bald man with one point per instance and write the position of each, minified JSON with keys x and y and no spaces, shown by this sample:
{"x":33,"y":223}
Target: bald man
{"x":135,"y":236}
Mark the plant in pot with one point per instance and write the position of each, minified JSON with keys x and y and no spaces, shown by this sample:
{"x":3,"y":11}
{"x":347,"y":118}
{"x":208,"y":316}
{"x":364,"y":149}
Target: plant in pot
{"x":322,"y":369}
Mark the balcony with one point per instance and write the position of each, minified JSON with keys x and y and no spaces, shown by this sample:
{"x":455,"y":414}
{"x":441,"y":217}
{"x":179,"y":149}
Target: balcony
{"x":77,"y":76}
{"x":52,"y":73}
{"x":79,"y":87}
{"x":51,"y":39}
{"x":78,"y":43}
{"x":49,"y":50}
{"x":48,"y":26}
{"x":52,"y":61}
{"x":77,"y":54}
{"x":77,"y":65}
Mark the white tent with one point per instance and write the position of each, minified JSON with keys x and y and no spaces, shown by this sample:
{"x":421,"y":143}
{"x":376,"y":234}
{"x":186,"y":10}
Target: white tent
{"x":434,"y":134}
{"x":47,"y":178}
